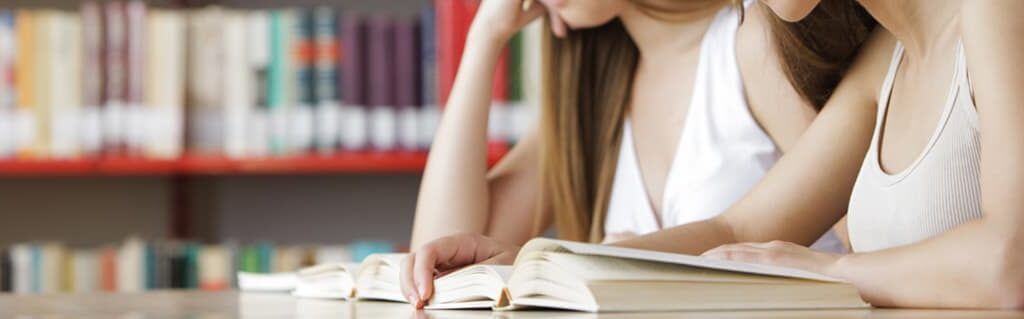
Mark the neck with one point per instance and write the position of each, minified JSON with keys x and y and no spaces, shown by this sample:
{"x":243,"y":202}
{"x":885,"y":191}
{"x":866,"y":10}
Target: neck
{"x":921,"y":25}
{"x":663,"y":36}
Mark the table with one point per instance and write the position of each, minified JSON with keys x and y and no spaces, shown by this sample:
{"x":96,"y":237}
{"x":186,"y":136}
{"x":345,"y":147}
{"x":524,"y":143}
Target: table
{"x":215,"y":305}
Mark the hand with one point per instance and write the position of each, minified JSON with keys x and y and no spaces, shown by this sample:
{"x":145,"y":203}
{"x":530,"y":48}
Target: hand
{"x":778,"y":253}
{"x":498,"y":20}
{"x":445,"y":255}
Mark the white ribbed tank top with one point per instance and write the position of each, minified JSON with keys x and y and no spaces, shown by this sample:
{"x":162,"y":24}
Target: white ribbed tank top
{"x":937,"y":192}
{"x":722,"y":150}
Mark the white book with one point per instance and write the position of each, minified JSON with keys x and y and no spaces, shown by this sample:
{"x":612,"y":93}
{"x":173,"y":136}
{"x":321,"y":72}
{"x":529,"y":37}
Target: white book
{"x":267,"y":283}
{"x":378,"y":278}
{"x":130,"y":266}
{"x":164,"y":85}
{"x":84,"y":271}
{"x":327,"y":281}
{"x":238,"y":85}
{"x":22,"y":271}
{"x":596,"y":278}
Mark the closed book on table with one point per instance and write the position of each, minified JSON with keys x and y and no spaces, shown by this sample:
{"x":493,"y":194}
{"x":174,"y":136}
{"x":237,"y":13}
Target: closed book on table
{"x":598,"y":278}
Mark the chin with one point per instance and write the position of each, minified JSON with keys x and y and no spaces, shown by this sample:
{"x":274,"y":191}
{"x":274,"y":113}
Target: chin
{"x":791,"y":10}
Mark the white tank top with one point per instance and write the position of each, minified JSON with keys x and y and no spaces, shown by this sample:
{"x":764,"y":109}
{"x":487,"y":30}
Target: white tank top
{"x":937,"y":192}
{"x":722,"y":150}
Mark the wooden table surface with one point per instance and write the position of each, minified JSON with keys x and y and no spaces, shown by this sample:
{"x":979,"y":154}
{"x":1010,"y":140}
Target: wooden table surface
{"x":202,"y":305}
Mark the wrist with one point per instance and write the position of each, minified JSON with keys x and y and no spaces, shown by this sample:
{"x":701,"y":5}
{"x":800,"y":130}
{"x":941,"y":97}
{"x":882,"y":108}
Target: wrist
{"x":840,"y":268}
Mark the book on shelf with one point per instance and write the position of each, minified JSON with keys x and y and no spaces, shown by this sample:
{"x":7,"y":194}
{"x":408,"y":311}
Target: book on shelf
{"x":123,"y":79}
{"x":136,"y":265}
{"x":575,"y":276}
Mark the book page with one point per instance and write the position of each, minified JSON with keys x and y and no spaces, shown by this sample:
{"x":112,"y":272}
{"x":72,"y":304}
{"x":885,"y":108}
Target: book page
{"x":546,"y":244}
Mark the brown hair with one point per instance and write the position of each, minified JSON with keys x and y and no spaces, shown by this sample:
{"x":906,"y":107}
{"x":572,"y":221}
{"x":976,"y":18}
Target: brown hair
{"x":587,"y":89}
{"x":817,"y":50}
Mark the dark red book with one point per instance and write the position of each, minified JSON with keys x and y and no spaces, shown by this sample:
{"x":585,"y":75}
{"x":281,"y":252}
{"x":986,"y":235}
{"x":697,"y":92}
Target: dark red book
{"x":453,"y":20}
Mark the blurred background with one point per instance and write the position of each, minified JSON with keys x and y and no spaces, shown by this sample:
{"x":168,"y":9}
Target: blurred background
{"x":167,"y":144}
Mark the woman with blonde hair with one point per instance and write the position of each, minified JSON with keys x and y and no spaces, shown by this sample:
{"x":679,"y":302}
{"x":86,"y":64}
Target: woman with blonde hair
{"x":655,"y":113}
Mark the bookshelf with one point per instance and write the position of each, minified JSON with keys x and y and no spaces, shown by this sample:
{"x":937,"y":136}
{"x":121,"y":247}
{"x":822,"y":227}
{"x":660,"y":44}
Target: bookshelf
{"x":341,"y":163}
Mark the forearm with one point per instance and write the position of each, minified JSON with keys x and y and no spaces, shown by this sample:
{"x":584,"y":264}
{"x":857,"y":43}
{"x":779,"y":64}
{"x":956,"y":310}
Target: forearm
{"x":971,"y":266}
{"x":689,"y":239}
{"x":454,"y":194}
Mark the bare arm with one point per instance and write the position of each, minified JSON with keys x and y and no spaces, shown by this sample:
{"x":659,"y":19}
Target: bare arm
{"x":983,"y":259}
{"x":977,"y":264}
{"x":458,"y":194}
{"x":808,"y":189}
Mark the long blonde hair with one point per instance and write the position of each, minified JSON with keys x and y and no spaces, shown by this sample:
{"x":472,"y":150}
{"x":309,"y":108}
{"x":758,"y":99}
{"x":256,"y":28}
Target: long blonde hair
{"x":587,"y":89}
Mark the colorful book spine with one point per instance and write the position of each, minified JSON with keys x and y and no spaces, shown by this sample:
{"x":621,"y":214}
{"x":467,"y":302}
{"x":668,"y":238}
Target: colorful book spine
{"x":407,"y":82}
{"x":453,"y":20}
{"x":430,"y":110}
{"x":21,"y":268}
{"x":93,"y":79}
{"x":114,"y":114}
{"x":135,"y":121}
{"x":353,"y":133}
{"x":24,"y":119}
{"x":325,"y":78}
{"x":381,"y":54}
{"x":6,"y":271}
{"x":301,"y":130}
{"x":7,"y":85}
{"x":280,"y":80}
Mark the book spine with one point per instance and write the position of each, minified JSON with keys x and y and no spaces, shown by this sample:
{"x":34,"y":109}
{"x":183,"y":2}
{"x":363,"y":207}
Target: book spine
{"x":258,"y":58}
{"x":301,"y":124}
{"x":115,"y":61}
{"x":108,"y":270}
{"x":279,"y":81}
{"x":7,"y":87}
{"x":6,"y":271}
{"x":353,"y":134}
{"x":325,"y":78}
{"x":44,"y":32}
{"x":453,"y":20}
{"x":21,"y":268}
{"x":205,"y":112}
{"x":429,"y":112}
{"x":407,"y":81}
{"x":164,"y":90}
{"x":136,"y":118}
{"x":63,"y":84}
{"x":92,"y":79}
{"x":237,"y":86}
{"x":383,"y":118}
{"x":24,"y":121}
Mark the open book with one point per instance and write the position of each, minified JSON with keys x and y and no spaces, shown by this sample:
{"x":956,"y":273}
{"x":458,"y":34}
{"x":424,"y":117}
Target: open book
{"x":327,"y":281}
{"x":596,"y":278}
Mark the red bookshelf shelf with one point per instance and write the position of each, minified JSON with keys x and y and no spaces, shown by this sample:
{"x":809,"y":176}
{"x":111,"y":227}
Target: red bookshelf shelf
{"x":346,"y":162}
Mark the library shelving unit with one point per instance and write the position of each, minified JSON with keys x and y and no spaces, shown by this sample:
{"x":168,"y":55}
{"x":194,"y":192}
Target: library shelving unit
{"x":339,"y":163}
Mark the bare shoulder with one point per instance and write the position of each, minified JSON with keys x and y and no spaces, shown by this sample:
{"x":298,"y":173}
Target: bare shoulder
{"x":869,"y":68}
{"x":773,"y":101}
{"x":991,"y":32}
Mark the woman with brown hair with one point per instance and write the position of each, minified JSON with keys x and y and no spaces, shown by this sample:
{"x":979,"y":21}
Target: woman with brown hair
{"x":655,"y":113}
{"x":919,"y":147}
